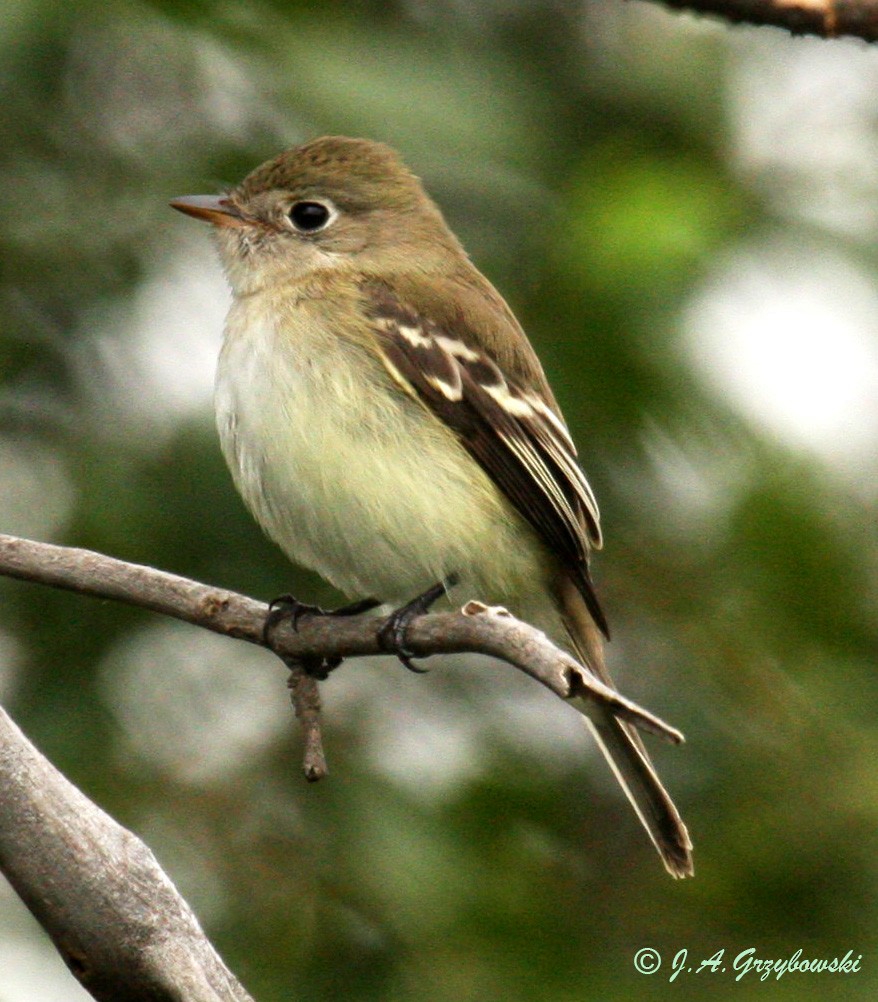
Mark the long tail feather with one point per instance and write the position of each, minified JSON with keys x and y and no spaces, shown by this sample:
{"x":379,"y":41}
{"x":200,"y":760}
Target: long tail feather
{"x":644,"y":789}
{"x":622,"y":745}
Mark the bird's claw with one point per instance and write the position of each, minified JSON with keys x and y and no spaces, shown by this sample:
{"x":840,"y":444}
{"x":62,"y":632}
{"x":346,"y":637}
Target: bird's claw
{"x":392,"y":634}
{"x":289,"y":607}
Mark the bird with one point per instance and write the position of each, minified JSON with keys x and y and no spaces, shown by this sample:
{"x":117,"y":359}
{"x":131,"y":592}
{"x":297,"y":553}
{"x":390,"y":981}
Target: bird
{"x":389,"y":425}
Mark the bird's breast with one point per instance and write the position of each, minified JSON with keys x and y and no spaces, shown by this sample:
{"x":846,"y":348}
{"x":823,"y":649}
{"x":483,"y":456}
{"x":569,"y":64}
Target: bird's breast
{"x":351,"y":476}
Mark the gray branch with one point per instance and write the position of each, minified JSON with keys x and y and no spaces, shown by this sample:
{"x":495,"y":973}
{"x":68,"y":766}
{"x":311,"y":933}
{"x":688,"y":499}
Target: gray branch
{"x":115,"y":917}
{"x":474,"y":629}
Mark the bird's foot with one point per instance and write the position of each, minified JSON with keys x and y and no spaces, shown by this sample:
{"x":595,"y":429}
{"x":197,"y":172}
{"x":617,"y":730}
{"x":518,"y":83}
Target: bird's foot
{"x":392,"y":635}
{"x":289,"y":607}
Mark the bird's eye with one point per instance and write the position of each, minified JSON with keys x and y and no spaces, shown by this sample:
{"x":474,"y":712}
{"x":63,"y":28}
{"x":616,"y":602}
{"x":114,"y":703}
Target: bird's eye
{"x":309,"y":217}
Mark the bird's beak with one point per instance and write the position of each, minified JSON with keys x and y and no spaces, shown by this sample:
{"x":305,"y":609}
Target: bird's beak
{"x":216,"y":209}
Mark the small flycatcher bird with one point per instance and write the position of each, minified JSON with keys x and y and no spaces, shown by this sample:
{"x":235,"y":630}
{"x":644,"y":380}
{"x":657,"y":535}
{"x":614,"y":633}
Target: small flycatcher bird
{"x":388,"y":423}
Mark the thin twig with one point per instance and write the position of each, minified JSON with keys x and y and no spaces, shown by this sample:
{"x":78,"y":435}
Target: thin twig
{"x":305,"y":697}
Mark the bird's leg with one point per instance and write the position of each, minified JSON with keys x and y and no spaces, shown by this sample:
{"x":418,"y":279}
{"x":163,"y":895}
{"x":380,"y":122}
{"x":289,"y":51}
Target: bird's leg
{"x":289,"y":607}
{"x":392,"y":634}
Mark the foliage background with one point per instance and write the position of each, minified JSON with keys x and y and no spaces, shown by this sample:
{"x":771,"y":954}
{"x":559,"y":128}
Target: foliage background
{"x":684,"y":217}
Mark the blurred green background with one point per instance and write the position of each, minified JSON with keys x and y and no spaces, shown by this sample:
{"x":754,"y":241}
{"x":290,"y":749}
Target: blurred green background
{"x":684,"y":217}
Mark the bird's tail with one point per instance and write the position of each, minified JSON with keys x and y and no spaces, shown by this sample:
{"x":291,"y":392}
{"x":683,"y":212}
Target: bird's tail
{"x":622,"y":745}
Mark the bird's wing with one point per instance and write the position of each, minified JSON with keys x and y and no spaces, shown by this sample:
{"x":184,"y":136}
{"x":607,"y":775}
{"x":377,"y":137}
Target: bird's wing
{"x":517,"y":439}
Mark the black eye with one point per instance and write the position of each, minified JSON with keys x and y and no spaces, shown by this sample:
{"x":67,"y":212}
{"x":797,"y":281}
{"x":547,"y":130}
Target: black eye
{"x":309,"y":216}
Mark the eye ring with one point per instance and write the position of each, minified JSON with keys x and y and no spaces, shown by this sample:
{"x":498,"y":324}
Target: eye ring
{"x":310,"y":216}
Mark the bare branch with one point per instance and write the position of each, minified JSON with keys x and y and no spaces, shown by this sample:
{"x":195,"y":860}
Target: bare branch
{"x":115,"y":917}
{"x":305,"y":697}
{"x":481,"y":631}
{"x":826,"y":18}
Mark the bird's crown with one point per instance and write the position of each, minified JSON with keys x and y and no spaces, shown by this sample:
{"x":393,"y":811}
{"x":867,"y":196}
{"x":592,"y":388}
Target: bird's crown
{"x":358,"y":174}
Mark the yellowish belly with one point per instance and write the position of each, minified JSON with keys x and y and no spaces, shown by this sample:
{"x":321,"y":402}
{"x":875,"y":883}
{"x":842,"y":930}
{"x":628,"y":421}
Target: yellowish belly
{"x":356,"y":480}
